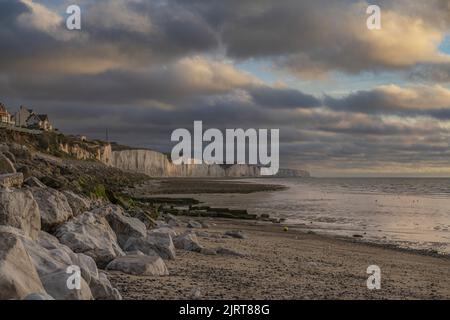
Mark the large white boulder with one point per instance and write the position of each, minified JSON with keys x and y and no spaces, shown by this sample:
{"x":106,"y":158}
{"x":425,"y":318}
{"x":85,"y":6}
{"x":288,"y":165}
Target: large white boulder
{"x":187,"y":241}
{"x":139,"y":265}
{"x":90,"y":234}
{"x":53,"y":206}
{"x":98,"y":283}
{"x":77,"y":203}
{"x":102,"y":289}
{"x":18,"y":276}
{"x":88,"y":267}
{"x":155,"y":242}
{"x":19,"y":209}
{"x":124,"y":227}
{"x":167,"y":230}
{"x":56,"y":285}
{"x":52,"y":264}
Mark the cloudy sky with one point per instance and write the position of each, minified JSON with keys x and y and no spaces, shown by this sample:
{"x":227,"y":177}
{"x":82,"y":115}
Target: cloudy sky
{"x":347,"y":100}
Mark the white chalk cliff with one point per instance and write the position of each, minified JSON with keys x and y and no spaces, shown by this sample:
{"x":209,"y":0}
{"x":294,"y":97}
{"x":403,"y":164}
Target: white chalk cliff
{"x":157,"y":164}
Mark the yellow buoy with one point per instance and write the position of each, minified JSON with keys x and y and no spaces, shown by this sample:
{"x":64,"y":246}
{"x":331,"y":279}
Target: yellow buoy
{"x":286,"y":229}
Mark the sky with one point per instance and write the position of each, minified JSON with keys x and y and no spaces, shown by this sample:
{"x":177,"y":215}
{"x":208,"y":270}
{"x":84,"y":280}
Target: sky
{"x":348,"y":101}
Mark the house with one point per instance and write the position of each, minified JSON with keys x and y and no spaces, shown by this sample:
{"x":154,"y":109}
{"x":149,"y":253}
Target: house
{"x":5,"y":117}
{"x":39,"y":121}
{"x":27,"y":118}
{"x":21,"y":117}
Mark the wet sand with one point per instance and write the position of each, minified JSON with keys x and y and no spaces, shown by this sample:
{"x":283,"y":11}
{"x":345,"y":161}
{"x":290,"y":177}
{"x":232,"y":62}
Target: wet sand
{"x":289,"y":265}
{"x":168,"y":186}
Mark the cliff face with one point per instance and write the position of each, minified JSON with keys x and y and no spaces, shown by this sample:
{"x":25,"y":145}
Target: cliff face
{"x":59,"y":145}
{"x":86,"y":152}
{"x":156,"y":164}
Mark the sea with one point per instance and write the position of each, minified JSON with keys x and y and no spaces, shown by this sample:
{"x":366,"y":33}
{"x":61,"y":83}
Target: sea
{"x":411,"y":213}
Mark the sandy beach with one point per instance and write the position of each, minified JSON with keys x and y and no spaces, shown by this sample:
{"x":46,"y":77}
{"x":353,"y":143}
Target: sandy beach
{"x":288,"y":265}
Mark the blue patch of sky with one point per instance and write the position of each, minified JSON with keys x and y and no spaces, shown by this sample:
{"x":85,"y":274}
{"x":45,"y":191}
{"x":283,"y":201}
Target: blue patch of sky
{"x":445,"y":45}
{"x":334,"y":84}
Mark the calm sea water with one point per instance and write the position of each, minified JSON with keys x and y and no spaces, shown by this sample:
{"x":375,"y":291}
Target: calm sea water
{"x":407,"y":212}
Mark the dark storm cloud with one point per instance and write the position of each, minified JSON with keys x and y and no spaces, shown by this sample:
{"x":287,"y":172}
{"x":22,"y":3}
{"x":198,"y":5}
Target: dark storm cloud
{"x":414,"y":101}
{"x":314,"y":37}
{"x":305,"y":37}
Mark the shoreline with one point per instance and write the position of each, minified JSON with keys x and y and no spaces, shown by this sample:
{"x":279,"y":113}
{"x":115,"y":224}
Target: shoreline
{"x":278,"y":264}
{"x":192,"y":188}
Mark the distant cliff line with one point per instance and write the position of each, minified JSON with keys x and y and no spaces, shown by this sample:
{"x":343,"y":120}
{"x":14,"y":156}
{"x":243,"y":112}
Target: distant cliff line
{"x":157,"y":164}
{"x":149,"y":162}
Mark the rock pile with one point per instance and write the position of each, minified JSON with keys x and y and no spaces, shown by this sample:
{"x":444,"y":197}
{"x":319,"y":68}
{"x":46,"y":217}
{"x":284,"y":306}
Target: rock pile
{"x":59,"y":244}
{"x":53,"y":242}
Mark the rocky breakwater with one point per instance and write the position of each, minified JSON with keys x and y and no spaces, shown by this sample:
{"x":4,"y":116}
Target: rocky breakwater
{"x":60,"y":244}
{"x":156,"y":164}
{"x":46,"y":235}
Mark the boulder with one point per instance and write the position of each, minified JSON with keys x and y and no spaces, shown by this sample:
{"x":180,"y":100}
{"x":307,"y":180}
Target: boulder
{"x":47,"y":261}
{"x":154,"y":242}
{"x":88,"y":267}
{"x":161,"y":224}
{"x":194,"y":224}
{"x":202,"y":234}
{"x":125,"y":227}
{"x":205,"y":225}
{"x":47,"y":240}
{"x":54,"y":257}
{"x":171,"y":220}
{"x":6,"y":166}
{"x":18,"y":276}
{"x":139,"y":265}
{"x":50,"y":242}
{"x":187,"y":241}
{"x":38,"y":296}
{"x":90,"y":234}
{"x":34,"y":182}
{"x":56,"y":284}
{"x":19,"y":209}
{"x":11,"y":180}
{"x":167,"y":230}
{"x":53,"y":206}
{"x":102,"y":289}
{"x":144,"y":217}
{"x":237,"y":234}
{"x":77,"y":203}
{"x":134,"y":253}
{"x":52,"y":263}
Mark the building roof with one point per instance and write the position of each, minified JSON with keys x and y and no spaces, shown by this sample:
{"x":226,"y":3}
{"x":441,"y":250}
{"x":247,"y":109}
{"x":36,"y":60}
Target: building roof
{"x":43,"y":117}
{"x":26,"y":109}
